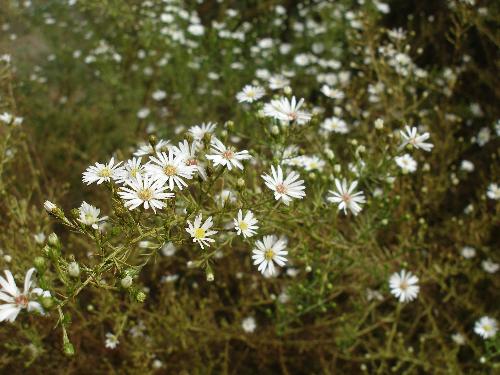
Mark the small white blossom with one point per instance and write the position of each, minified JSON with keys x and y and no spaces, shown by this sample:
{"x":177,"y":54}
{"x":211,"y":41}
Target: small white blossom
{"x":406,"y":163}
{"x":404,"y":286}
{"x":111,"y":341}
{"x":269,"y":251}
{"x":411,"y":137}
{"x":226,"y":156}
{"x":493,"y":191}
{"x":346,"y":198}
{"x":170,"y":169}
{"x":201,"y":233}
{"x":89,"y":215}
{"x":486,"y":327}
{"x":144,"y":191}
{"x":287,"y":111}
{"x":100,"y":173}
{"x":247,"y":225}
{"x":248,"y":324}
{"x":284,"y":188}
{"x":250,"y":94}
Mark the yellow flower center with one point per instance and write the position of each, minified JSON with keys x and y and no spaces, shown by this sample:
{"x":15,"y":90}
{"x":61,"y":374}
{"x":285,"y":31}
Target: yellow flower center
{"x":170,"y":170}
{"x":105,"y":172}
{"x":199,"y":233}
{"x":487,"y":327}
{"x":243,"y":225}
{"x":133,"y":172}
{"x":145,"y":194}
{"x":269,"y":254}
{"x":403,"y":286}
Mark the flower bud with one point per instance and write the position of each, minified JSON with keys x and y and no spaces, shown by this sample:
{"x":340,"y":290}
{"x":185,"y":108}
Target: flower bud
{"x":140,"y":297}
{"x":379,"y":124}
{"x":275,"y":130}
{"x":74,"y":269}
{"x":53,"y":240}
{"x":230,"y":125}
{"x":69,"y":349}
{"x":39,"y":263}
{"x":337,"y":168}
{"x":329,"y":153}
{"x":49,"y":206}
{"x":47,"y":302}
{"x":210,"y":277}
{"x":240,"y":182}
{"x":287,"y":90}
{"x":126,"y":282}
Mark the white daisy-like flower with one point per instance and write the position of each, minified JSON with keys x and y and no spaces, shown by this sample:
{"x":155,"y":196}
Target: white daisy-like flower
{"x":247,"y":225}
{"x":468,"y":252}
{"x":144,"y":191}
{"x":278,"y":82}
{"x":100,"y":173}
{"x":332,"y":93}
{"x":406,"y":163}
{"x":170,"y":169}
{"x":346,"y":198}
{"x":490,"y":266}
{"x":486,"y":327}
{"x":89,"y":215}
{"x":145,"y":149}
{"x":493,"y":191}
{"x":404,"y":285}
{"x":188,"y":153}
{"x":287,"y":111}
{"x":9,"y":119}
{"x":199,"y":131}
{"x":248,"y":324}
{"x":201,"y":233}
{"x":130,"y":170}
{"x":111,"y":341}
{"x":250,"y":94}
{"x":269,"y":251}
{"x":226,"y":156}
{"x":412,"y":138}
{"x":335,"y":124}
{"x":284,"y":189}
{"x":15,"y":300}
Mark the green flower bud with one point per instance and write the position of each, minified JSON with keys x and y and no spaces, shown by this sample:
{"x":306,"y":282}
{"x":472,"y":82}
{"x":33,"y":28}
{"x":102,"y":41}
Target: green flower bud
{"x":140,"y":297}
{"x":54,"y":240}
{"x":126,"y":282}
{"x":74,"y":269}
{"x":39,"y":263}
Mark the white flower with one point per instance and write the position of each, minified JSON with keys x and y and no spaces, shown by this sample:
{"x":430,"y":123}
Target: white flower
{"x":39,"y":237}
{"x":406,"y":163}
{"x":335,"y":124}
{"x":332,"y":93}
{"x":278,"y":82}
{"x":159,"y":95}
{"x":199,"y":131}
{"x":130,"y":170}
{"x":245,"y":226}
{"x":15,"y":300}
{"x":269,"y":251}
{"x":100,"y":173}
{"x":111,"y":341}
{"x":346,"y":198}
{"x":250,"y":94}
{"x":404,"y":286}
{"x":188,"y":153}
{"x":493,"y":192}
{"x":8,"y":119}
{"x":467,"y":166}
{"x":287,"y":111}
{"x":490,"y":266}
{"x":144,"y":191}
{"x":226,"y":156}
{"x":285,"y":189}
{"x":146,"y":149}
{"x":168,"y":249}
{"x":89,"y":215}
{"x":458,"y":338}
{"x":413,"y":138}
{"x":201,"y":233}
{"x":248,"y":324}
{"x":170,"y":169}
{"x":486,"y":327}
{"x":483,"y":136}
{"x":468,"y":252}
